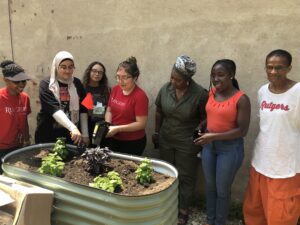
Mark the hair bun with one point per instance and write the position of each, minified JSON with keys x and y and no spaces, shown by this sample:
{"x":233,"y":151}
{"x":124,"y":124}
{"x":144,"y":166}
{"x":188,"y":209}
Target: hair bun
{"x":6,"y":63}
{"x":131,"y":59}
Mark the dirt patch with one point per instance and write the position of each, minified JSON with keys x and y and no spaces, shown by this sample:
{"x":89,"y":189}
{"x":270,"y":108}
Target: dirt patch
{"x":75,"y":171}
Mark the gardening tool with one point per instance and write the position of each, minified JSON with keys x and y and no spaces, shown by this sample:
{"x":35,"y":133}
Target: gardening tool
{"x":100,"y":131}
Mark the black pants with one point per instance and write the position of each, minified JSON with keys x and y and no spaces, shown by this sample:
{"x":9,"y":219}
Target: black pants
{"x":133,"y":147}
{"x":51,"y":135}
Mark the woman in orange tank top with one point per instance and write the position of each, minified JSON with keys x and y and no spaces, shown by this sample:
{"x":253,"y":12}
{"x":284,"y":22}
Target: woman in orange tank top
{"x":228,"y":117}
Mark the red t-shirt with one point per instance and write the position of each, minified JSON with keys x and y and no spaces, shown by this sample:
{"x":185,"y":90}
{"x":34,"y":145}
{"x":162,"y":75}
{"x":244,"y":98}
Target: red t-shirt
{"x":222,"y":116}
{"x":125,"y":108}
{"x":13,"y":118}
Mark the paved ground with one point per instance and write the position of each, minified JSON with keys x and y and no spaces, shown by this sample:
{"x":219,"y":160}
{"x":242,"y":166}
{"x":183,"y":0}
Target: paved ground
{"x":198,"y":217}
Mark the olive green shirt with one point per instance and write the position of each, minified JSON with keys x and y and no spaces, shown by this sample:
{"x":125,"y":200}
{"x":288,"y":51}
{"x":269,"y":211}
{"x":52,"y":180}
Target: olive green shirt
{"x":180,"y":118}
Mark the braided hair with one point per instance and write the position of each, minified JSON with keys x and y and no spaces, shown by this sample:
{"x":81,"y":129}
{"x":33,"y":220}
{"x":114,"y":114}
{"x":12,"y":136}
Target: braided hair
{"x":230,"y":67}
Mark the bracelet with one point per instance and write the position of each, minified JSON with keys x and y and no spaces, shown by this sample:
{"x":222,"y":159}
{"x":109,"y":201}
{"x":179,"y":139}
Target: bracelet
{"x":156,"y":132}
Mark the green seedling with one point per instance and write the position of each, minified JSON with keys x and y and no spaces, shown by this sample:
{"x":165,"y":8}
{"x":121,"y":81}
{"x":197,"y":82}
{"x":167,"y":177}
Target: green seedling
{"x":60,"y":147}
{"x":109,"y":183}
{"x":144,"y":172}
{"x":52,"y":164}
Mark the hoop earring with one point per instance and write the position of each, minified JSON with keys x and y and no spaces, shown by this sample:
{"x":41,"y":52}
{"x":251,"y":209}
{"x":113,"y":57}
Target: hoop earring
{"x":187,"y":83}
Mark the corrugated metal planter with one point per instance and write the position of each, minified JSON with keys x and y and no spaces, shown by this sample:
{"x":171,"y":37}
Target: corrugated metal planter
{"x":81,"y":205}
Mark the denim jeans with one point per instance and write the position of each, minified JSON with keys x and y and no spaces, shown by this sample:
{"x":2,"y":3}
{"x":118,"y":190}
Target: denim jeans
{"x":220,"y":162}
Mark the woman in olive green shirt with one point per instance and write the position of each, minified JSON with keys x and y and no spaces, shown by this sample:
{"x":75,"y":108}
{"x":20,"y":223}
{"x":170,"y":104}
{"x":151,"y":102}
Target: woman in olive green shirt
{"x":180,"y":107}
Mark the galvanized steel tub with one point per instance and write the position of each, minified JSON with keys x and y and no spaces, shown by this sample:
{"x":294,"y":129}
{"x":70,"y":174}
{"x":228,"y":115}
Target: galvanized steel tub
{"x":81,"y":205}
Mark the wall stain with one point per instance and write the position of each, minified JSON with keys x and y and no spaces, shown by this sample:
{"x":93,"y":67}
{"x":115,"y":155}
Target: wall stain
{"x":74,"y":37}
{"x":52,"y":11}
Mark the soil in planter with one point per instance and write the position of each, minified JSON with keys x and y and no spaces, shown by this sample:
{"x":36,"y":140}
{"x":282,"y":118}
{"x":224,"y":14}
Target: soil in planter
{"x":74,"y":171}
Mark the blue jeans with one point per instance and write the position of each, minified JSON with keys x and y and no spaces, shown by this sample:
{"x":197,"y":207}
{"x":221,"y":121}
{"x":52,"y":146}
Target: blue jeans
{"x":220,"y":162}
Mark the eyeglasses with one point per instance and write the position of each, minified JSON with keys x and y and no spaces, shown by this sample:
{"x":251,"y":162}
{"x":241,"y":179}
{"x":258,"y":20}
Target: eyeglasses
{"x":19,"y":82}
{"x":63,"y":67}
{"x":276,"y":68}
{"x":97,"y":72}
{"x":117,"y":77}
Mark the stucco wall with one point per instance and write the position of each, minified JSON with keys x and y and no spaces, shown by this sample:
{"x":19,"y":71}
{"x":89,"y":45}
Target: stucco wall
{"x":156,"y":32}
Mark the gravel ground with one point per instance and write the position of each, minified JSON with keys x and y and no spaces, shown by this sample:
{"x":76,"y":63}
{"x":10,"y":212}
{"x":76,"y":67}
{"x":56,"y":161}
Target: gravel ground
{"x":198,"y":217}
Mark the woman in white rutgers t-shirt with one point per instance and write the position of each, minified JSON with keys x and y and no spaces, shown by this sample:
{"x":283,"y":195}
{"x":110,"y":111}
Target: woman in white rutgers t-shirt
{"x":273,"y":193}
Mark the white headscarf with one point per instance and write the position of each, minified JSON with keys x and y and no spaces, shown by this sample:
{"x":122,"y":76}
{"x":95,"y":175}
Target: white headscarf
{"x":54,"y":86}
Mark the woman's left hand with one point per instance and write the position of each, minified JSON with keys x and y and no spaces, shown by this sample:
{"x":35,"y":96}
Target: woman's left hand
{"x":113,"y":130}
{"x":204,"y":138}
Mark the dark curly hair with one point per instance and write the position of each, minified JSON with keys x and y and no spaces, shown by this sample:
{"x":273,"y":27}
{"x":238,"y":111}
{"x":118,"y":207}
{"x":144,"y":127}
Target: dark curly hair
{"x":230,"y":67}
{"x":86,"y":76}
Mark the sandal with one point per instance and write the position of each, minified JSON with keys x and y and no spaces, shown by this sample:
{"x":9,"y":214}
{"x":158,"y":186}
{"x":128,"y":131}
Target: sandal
{"x":182,"y":218}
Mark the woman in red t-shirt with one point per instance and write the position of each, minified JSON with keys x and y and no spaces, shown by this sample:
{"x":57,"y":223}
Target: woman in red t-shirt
{"x":14,"y":109}
{"x":127,"y":111}
{"x":228,"y":117}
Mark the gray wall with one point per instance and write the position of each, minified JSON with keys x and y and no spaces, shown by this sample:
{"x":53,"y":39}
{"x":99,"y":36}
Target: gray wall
{"x":156,"y":32}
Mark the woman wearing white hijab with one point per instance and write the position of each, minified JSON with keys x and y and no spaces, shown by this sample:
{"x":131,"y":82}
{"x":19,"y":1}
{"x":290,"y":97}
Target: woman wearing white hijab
{"x":61,"y":112}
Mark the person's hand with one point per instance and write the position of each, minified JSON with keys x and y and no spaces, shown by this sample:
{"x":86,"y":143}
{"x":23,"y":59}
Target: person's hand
{"x":204,"y":138}
{"x":76,"y":136}
{"x":155,"y":140}
{"x":112,"y":131}
{"x":86,"y":140}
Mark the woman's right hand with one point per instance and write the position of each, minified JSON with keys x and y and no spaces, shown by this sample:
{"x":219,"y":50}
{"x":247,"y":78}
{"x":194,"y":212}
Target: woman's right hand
{"x":205,"y":138}
{"x":76,"y":136}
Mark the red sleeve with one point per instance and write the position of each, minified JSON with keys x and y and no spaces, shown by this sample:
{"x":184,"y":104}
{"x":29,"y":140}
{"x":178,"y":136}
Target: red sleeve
{"x":141,"y":108}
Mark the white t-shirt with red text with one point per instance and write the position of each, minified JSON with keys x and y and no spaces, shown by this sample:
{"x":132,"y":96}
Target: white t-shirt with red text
{"x":277,"y":147}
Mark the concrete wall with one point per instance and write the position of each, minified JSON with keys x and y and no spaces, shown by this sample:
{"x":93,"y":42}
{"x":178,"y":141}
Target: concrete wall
{"x":156,"y":32}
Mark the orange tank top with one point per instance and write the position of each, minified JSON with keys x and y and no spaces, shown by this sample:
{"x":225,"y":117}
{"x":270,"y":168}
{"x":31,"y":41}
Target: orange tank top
{"x":222,"y":116}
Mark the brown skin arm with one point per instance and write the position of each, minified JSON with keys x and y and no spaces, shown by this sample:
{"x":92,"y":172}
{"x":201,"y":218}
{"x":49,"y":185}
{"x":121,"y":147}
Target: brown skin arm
{"x":243,"y":121}
{"x":26,"y":137}
{"x":158,"y":119}
{"x":158,"y":122}
{"x":202,"y":125}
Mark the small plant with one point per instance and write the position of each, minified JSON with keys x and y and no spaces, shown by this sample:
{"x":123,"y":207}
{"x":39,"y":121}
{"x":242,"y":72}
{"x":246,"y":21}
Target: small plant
{"x":109,"y":183}
{"x":96,"y":159}
{"x":60,"y":147}
{"x":52,"y":164}
{"x":144,"y":172}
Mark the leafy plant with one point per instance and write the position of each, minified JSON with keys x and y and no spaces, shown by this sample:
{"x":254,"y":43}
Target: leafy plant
{"x":52,"y":164}
{"x":144,"y":172}
{"x":109,"y":183}
{"x":60,"y":147}
{"x":96,"y":159}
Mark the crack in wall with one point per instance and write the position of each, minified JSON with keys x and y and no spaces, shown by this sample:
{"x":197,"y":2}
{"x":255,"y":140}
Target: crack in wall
{"x":10,"y":29}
